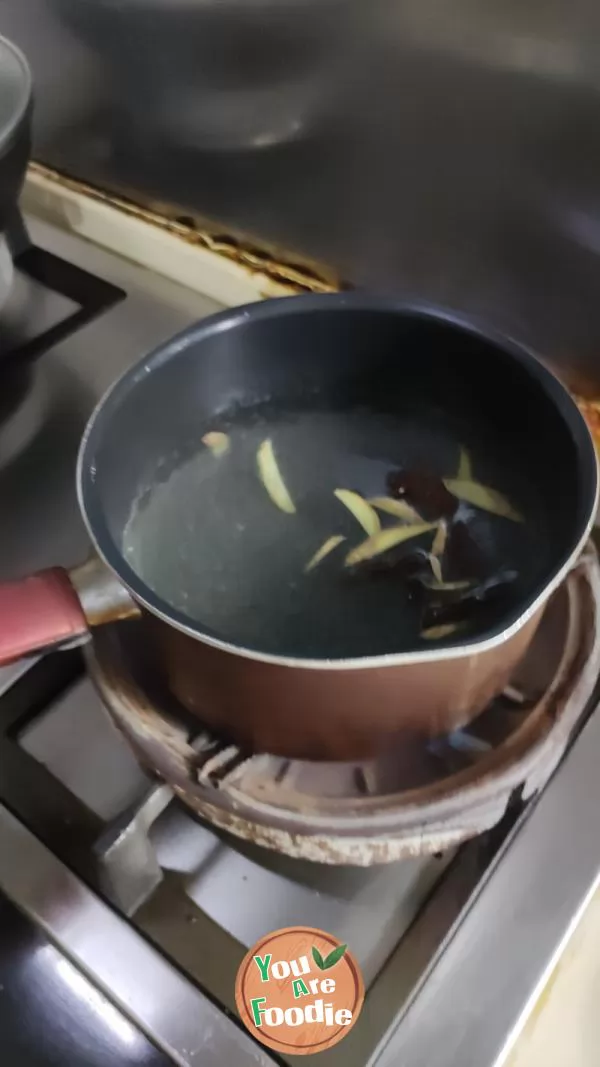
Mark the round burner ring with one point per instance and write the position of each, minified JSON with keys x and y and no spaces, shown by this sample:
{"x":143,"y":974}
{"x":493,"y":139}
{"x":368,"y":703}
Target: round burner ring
{"x":406,"y":803}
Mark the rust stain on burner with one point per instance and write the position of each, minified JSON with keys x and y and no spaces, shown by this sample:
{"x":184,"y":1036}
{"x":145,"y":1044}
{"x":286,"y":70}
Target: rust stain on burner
{"x":282,"y":271}
{"x":329,"y":848}
{"x":283,"y":770}
{"x":360,"y":781}
{"x":273,"y":804}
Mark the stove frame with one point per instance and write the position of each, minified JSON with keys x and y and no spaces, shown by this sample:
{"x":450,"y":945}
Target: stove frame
{"x":464,"y":975}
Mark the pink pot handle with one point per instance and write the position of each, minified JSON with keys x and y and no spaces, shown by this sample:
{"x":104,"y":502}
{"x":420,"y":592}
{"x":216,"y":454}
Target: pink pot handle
{"x":39,"y":613}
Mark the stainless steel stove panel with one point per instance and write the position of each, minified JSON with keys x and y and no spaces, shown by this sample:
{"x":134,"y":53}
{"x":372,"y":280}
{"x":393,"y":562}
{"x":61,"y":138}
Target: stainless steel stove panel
{"x":211,"y":892}
{"x":31,"y":308}
{"x":214,"y":898}
{"x":77,"y":742}
{"x":243,"y":889}
{"x":42,"y":525}
{"x":177,"y":1017}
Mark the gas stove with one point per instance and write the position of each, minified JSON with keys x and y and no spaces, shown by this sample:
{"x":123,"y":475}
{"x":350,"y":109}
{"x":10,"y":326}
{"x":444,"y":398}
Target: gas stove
{"x":455,"y":872}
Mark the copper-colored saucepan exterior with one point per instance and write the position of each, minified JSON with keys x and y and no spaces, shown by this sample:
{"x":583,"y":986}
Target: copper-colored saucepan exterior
{"x":345,"y":346}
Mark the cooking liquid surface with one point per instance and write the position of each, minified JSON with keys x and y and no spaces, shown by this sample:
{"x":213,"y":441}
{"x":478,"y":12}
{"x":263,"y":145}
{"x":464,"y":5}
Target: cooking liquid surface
{"x":207,"y":538}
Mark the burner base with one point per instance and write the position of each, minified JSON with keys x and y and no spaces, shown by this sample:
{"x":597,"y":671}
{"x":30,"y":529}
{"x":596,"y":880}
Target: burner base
{"x":412,"y":801}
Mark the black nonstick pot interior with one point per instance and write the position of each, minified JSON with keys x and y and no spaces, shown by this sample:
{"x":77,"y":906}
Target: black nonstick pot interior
{"x":378,"y":378}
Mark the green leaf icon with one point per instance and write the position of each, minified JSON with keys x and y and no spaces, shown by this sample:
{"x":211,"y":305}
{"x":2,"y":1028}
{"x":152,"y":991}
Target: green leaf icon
{"x":334,"y":957}
{"x":317,"y":957}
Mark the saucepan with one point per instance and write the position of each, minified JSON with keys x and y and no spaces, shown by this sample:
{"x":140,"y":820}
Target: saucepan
{"x":15,"y":145}
{"x":16,"y":97}
{"x":337,"y":518}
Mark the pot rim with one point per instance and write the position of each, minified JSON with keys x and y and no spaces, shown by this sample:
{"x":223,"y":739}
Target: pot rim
{"x":229,"y":319}
{"x":11,"y":127}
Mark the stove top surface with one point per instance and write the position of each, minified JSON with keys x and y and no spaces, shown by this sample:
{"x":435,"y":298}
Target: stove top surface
{"x":129,"y":311}
{"x":94,"y":834}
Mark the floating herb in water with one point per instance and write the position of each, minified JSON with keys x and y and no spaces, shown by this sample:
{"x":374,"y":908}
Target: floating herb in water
{"x":384,"y":540}
{"x":481,"y":496}
{"x":324,"y":550}
{"x":362,"y":511}
{"x":271,"y":478}
{"x":465,"y":467}
{"x":436,"y":567}
{"x":436,"y":633}
{"x":439,"y":541}
{"x":398,"y":508}
{"x":218,"y":442}
{"x":448,"y":587}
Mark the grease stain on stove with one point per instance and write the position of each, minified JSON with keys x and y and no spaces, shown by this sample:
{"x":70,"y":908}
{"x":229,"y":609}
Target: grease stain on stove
{"x":69,"y":203}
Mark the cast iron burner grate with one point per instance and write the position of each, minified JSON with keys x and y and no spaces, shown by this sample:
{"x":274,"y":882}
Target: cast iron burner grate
{"x":412,"y":800}
{"x":30,"y":324}
{"x":46,"y":300}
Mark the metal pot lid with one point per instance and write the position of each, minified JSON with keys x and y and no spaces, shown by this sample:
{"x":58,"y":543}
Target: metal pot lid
{"x":15,"y":89}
